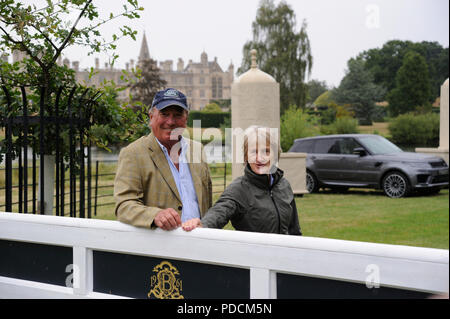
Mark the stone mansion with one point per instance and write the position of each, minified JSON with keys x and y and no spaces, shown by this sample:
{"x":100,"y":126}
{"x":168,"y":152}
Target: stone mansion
{"x":201,"y":81}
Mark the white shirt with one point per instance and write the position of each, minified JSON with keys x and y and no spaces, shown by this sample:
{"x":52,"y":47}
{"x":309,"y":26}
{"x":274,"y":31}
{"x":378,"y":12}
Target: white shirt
{"x":183,"y":180}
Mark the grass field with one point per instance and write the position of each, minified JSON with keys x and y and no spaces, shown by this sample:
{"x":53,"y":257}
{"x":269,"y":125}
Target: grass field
{"x":369,"y":216}
{"x":375,"y":128}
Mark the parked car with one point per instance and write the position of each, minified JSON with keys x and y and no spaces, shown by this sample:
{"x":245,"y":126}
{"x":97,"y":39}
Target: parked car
{"x":369,"y":161}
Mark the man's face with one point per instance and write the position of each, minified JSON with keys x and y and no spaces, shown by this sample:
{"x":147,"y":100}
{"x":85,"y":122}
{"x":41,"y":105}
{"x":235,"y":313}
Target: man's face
{"x":164,"y":122}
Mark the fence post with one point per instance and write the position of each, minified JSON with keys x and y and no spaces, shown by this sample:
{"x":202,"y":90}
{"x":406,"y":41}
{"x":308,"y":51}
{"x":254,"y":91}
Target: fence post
{"x":83,"y":277}
{"x":225,"y":177}
{"x":96,"y":188}
{"x":263,"y":284}
{"x":8,"y":157}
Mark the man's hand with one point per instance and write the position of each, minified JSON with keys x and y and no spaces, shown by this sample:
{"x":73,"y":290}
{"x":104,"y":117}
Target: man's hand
{"x":191,"y":224}
{"x":167,"y":219}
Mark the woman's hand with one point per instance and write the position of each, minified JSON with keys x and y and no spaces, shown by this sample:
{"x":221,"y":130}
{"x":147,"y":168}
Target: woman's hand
{"x":192,"y":224}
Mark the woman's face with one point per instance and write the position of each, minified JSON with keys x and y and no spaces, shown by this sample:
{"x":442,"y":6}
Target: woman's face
{"x":259,"y":156}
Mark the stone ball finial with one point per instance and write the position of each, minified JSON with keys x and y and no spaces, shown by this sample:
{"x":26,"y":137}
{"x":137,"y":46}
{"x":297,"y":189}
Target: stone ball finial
{"x":254,"y":64}
{"x":255,"y":75}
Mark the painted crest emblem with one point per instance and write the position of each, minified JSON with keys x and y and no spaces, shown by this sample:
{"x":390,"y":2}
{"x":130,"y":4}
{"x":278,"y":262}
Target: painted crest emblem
{"x":165,"y":284}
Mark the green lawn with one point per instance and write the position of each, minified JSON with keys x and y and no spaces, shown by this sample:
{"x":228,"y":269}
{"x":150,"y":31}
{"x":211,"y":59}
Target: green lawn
{"x":370,"y":216}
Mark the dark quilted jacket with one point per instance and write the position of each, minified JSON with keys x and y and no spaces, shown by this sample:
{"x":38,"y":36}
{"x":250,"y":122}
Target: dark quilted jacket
{"x":252,"y":204}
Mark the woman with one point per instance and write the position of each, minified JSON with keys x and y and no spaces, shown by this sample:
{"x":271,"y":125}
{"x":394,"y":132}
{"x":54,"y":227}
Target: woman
{"x":259,"y":201}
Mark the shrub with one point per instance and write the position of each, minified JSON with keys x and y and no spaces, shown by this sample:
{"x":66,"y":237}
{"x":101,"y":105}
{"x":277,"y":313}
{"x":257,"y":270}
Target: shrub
{"x":415,"y":130}
{"x":379,"y":113}
{"x":343,"y":125}
{"x":296,"y":123}
{"x":213,"y":119}
{"x":212,"y":108}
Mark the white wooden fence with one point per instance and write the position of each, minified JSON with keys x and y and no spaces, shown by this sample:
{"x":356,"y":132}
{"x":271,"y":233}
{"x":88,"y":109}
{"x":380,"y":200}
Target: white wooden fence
{"x":263,"y":255}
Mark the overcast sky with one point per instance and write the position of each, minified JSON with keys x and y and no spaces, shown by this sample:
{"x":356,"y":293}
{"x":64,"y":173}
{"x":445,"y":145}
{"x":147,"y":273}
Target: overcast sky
{"x":338,"y":30}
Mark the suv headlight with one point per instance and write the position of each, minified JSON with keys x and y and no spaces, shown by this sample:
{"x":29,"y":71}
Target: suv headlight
{"x":424,"y":165}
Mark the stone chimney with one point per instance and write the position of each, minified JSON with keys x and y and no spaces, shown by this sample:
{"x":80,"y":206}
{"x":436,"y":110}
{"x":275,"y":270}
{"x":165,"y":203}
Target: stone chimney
{"x":166,"y":65}
{"x":231,"y":71}
{"x":4,"y":57}
{"x":76,"y":65}
{"x":204,"y":58}
{"x":180,"y":65}
{"x":66,"y":62}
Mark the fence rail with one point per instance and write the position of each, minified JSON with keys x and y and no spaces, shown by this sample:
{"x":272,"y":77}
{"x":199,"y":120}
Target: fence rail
{"x":97,"y":256}
{"x":219,"y":182}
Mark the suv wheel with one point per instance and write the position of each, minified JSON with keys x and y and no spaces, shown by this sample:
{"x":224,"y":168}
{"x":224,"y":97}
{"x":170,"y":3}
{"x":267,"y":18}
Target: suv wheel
{"x":312,"y":185}
{"x":396,"y":185}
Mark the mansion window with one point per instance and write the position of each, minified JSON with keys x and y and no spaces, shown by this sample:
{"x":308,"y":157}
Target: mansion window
{"x":216,"y":85}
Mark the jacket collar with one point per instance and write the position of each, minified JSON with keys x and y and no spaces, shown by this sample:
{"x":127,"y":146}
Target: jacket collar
{"x":161,"y":163}
{"x":262,"y":181}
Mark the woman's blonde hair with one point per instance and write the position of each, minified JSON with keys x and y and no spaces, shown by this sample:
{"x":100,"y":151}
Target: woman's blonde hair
{"x":262,"y":133}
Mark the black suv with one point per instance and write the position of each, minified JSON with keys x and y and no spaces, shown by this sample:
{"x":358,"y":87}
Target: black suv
{"x":369,"y":161}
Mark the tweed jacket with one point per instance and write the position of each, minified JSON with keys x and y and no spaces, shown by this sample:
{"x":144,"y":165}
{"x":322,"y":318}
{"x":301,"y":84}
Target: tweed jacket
{"x":144,"y":184}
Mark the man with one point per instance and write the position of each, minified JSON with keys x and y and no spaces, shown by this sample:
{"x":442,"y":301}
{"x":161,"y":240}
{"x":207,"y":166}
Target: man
{"x":162,"y":179}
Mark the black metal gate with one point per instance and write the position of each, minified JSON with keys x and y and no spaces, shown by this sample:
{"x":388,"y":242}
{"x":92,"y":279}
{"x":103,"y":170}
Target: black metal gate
{"x":33,"y":129}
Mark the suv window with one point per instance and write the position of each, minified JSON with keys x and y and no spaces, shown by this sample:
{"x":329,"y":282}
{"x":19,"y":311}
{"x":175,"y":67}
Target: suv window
{"x":302,"y":146}
{"x":327,"y":146}
{"x":348,"y":145}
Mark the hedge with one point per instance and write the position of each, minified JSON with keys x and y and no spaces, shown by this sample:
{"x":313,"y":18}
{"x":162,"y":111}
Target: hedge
{"x":208,"y":119}
{"x":415,"y":130}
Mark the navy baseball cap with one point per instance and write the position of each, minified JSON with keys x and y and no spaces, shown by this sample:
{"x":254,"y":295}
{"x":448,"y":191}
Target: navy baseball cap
{"x":170,"y":97}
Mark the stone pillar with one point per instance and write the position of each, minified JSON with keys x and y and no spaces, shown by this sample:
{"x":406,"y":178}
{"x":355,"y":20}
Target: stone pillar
{"x":255,"y":100}
{"x":442,"y":150}
{"x":46,"y":208}
{"x":443,"y":132}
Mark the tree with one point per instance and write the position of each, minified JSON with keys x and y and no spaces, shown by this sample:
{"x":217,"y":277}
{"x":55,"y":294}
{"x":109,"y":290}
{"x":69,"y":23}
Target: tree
{"x":412,"y":86}
{"x":296,"y":123}
{"x":41,"y":35}
{"x":436,"y":58}
{"x":315,"y":89}
{"x":147,"y":85}
{"x":385,"y":62}
{"x":324,"y":99}
{"x":358,"y":90}
{"x":283,"y":52}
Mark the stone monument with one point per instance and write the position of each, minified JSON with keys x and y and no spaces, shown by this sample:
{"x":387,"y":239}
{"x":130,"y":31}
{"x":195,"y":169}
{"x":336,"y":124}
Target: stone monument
{"x":442,"y":150}
{"x":255,"y":100}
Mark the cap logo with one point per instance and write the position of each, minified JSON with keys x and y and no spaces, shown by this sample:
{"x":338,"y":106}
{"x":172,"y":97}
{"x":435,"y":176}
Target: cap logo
{"x":171,"y":93}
